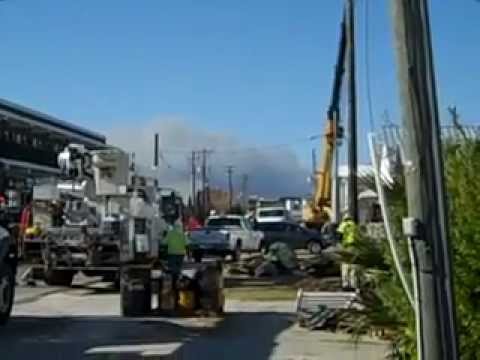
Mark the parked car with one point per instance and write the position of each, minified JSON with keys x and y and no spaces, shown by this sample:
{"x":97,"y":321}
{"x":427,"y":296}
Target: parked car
{"x":272,"y":214}
{"x":224,"y":235}
{"x":8,"y":268}
{"x":292,"y":234}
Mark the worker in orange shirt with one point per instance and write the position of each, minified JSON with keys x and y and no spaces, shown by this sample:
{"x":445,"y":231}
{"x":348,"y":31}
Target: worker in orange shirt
{"x":25,"y":219}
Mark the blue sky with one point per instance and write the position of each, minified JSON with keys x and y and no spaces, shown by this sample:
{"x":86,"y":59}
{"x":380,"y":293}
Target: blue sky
{"x":233,"y":67}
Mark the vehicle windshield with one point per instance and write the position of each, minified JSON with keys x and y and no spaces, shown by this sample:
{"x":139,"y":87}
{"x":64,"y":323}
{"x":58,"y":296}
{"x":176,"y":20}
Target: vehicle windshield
{"x":269,"y":213}
{"x":223,"y":222}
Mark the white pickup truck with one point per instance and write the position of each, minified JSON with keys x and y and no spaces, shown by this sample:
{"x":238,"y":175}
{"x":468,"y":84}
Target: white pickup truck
{"x":225,"y":235}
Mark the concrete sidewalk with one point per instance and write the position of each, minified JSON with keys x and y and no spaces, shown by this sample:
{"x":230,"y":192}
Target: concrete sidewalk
{"x":296,"y":343}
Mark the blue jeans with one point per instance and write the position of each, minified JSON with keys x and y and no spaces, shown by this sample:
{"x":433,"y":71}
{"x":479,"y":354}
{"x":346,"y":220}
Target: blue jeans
{"x":175,"y":263}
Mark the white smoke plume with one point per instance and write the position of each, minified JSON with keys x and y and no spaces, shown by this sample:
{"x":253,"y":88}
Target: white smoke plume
{"x":274,"y":171}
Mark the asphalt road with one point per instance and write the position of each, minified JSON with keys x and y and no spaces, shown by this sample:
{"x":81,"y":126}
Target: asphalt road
{"x":83,"y":322}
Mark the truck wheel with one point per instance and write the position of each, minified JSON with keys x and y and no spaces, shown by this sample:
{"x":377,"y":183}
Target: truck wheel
{"x":58,"y":277}
{"x":263,"y":247}
{"x":197,"y":256}
{"x":135,"y":292}
{"x":314,"y":247}
{"x":112,"y":277}
{"x":7,"y":292}
{"x":237,"y":253}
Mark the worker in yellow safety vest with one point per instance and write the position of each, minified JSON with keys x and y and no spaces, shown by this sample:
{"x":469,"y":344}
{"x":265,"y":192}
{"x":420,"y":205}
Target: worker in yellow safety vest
{"x":176,"y":248}
{"x":350,"y":233}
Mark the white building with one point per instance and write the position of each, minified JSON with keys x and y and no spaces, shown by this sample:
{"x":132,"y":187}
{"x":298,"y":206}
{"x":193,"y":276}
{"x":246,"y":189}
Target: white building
{"x":367,"y":198}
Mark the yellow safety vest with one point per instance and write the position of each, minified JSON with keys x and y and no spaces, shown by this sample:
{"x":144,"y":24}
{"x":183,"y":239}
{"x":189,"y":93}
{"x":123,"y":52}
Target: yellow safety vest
{"x":176,"y":242}
{"x":349,"y":230}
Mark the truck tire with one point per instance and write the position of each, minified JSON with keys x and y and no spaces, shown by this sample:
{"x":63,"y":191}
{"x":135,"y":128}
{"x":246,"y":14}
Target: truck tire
{"x":58,"y":277}
{"x":314,"y":247}
{"x":237,"y":252}
{"x":7,"y":291}
{"x":135,"y":292}
{"x":197,"y":256}
{"x":112,"y":277}
{"x":263,"y":247}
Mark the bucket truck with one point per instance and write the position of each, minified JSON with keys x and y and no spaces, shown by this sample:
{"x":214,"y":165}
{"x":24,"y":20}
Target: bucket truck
{"x":98,"y":205}
{"x":114,"y":220}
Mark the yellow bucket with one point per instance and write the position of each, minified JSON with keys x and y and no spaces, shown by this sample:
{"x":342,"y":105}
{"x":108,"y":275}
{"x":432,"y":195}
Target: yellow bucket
{"x":186,"y":300}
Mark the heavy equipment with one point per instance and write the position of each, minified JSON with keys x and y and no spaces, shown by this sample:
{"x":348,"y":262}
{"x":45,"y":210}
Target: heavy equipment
{"x":317,"y":211}
{"x":99,"y":204}
{"x":106,"y":216}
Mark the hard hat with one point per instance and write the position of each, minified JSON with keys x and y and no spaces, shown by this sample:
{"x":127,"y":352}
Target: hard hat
{"x":347,"y":216}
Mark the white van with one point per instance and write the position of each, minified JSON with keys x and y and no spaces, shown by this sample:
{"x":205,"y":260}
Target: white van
{"x":272,"y":214}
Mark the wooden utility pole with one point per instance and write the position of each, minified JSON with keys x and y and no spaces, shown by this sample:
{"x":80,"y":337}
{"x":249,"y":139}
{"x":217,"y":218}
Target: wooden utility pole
{"x":230,"y":186}
{"x":244,"y":191}
{"x":155,"y":151}
{"x":427,"y":224}
{"x":194,"y":182}
{"x":352,"y":113}
{"x":204,"y":183}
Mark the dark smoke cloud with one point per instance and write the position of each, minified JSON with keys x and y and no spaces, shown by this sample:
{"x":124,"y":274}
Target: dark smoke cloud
{"x":271,"y":171}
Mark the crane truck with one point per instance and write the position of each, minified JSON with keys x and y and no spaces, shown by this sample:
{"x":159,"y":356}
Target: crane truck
{"x":318,"y":210}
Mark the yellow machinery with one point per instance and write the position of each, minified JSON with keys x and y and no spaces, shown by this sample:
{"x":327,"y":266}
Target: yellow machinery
{"x":318,"y":210}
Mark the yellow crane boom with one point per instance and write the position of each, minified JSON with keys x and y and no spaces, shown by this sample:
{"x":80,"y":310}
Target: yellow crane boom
{"x":318,"y":210}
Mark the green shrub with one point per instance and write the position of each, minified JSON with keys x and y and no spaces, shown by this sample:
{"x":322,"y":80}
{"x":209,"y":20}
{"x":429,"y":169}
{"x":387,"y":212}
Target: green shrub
{"x":386,"y":305}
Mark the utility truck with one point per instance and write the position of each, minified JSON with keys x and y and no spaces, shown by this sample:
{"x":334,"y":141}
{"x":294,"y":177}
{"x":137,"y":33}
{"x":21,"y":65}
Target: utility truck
{"x":97,"y":205}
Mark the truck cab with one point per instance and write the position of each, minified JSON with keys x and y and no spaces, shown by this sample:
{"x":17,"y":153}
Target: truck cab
{"x":225,"y":235}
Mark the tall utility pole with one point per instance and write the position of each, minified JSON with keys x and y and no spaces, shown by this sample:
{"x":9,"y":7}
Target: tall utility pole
{"x":352,"y":114}
{"x":244,"y":191}
{"x":155,"y":151}
{"x":205,"y":186}
{"x":204,"y":182}
{"x":424,"y":180}
{"x":230,"y":185}
{"x":335,"y":182}
{"x":194,"y":181}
